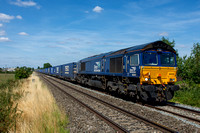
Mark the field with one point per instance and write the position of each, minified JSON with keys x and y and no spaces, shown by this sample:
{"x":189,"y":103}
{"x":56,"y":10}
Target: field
{"x":5,"y":77}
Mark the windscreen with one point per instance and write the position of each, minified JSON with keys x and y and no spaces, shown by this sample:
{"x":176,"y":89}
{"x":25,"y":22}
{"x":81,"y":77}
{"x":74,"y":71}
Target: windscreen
{"x":150,"y":58}
{"x":167,"y":59}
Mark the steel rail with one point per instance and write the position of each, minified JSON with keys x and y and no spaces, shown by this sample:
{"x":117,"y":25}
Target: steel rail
{"x":183,"y":108}
{"x":174,"y":113}
{"x":114,"y":125}
{"x":130,"y":114}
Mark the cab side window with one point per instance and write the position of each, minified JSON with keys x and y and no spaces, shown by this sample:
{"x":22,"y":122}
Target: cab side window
{"x":134,"y":60}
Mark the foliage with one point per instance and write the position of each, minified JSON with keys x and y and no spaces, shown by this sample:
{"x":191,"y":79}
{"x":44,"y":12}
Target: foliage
{"x":47,"y":65}
{"x":166,"y":40}
{"x":189,"y":68}
{"x":8,"y":110}
{"x":188,"y":94}
{"x":23,"y":72}
{"x":171,"y":43}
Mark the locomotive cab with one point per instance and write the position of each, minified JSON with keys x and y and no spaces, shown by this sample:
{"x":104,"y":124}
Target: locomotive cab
{"x":158,"y":75}
{"x":158,"y":68}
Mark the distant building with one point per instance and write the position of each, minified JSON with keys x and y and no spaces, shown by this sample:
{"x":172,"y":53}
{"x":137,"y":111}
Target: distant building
{"x":10,"y":69}
{"x":7,"y":69}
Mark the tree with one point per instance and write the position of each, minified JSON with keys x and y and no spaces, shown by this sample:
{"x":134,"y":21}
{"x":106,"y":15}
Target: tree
{"x":47,"y":65}
{"x":171,"y":43}
{"x":166,"y":40}
{"x":22,"y":72}
{"x":189,"y":67}
{"x":194,"y":64}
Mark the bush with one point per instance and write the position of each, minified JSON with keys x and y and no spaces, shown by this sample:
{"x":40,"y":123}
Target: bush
{"x":188,"y":94}
{"x":23,"y":72}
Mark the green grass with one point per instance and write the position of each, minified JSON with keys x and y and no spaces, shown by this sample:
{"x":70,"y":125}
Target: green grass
{"x":5,"y":77}
{"x":56,"y":121}
{"x":188,"y":94}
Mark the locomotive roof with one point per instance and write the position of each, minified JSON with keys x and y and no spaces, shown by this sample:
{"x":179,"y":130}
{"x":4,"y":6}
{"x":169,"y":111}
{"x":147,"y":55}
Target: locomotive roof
{"x":148,"y":46}
{"x":153,"y":45}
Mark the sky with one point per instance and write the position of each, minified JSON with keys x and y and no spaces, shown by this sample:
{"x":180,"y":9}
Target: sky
{"x":34,"y":32}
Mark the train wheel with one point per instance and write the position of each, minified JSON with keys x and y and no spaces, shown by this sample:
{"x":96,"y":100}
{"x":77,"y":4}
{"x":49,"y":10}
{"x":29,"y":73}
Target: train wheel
{"x":169,"y":94}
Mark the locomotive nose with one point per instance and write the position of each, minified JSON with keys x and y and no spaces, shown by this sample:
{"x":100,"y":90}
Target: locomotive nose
{"x":159,"y":75}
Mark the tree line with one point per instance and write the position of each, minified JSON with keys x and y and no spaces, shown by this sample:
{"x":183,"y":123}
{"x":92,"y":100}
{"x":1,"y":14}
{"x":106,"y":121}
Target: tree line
{"x":45,"y":65}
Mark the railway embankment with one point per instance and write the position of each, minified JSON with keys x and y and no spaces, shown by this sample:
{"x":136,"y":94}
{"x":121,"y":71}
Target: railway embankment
{"x":31,"y":108}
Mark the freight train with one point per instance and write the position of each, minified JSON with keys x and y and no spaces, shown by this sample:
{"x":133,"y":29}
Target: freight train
{"x":146,"y":72}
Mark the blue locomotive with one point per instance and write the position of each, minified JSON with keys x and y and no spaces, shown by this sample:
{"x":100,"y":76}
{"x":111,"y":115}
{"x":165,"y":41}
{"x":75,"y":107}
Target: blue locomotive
{"x":146,"y":72}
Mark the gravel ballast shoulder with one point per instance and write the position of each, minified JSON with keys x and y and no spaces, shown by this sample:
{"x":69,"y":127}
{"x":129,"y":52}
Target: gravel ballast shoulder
{"x":80,"y":119}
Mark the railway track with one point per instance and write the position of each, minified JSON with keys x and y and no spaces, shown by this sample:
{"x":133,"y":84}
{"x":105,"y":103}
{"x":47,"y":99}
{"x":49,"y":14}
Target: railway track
{"x":112,"y":107}
{"x":183,"y":108}
{"x":174,"y":113}
{"x":171,"y":112}
{"x":114,"y":125}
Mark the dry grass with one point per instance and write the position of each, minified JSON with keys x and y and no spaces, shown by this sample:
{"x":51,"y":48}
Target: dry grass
{"x":40,"y":112}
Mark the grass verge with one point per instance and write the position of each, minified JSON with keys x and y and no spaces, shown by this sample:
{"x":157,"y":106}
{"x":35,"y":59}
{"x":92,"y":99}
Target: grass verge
{"x":8,"y":109}
{"x":40,"y":112}
{"x":189,"y":94}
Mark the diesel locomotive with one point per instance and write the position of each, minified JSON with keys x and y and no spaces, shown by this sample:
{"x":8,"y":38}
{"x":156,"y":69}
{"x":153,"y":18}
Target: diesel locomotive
{"x":146,"y":72}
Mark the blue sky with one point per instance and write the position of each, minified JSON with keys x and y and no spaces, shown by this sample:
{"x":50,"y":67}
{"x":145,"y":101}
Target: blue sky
{"x":33,"y":32}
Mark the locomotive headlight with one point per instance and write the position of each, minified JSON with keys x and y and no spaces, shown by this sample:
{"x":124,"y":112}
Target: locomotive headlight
{"x":146,"y":79}
{"x":172,"y":80}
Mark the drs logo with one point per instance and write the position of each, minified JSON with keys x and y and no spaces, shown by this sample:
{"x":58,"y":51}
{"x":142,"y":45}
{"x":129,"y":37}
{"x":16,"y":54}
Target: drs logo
{"x":66,"y":69}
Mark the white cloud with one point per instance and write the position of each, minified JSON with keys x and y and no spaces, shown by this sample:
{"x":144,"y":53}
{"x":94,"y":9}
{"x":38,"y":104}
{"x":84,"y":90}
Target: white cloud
{"x":97,"y":9}
{"x":1,"y":25}
{"x":25,"y":3}
{"x":5,"y":17}
{"x":4,"y":39}
{"x":19,"y":17}
{"x":2,"y":33}
{"x":164,"y":34}
{"x":23,"y":34}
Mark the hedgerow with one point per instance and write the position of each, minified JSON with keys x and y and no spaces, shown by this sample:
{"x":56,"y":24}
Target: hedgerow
{"x":8,"y":109}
